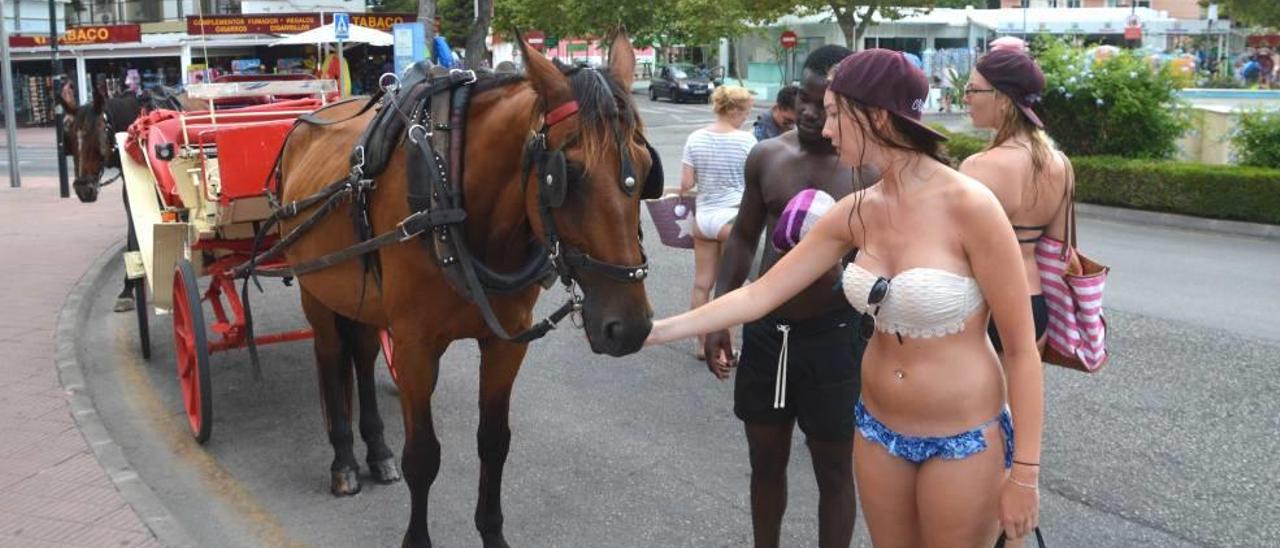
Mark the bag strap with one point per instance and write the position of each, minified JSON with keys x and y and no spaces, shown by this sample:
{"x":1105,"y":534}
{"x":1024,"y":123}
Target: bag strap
{"x":1070,"y":194}
{"x":1039,"y":539}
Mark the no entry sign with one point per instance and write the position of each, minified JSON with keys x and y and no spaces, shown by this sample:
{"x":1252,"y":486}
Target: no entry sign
{"x":536,"y":39}
{"x":789,"y":39}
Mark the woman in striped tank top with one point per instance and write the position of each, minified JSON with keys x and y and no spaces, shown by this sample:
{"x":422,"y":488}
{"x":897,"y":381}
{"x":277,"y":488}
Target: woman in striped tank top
{"x":714,"y":162}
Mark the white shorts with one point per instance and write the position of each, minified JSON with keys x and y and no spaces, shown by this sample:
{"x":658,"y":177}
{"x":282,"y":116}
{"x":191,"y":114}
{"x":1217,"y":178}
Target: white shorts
{"x":711,"y":220}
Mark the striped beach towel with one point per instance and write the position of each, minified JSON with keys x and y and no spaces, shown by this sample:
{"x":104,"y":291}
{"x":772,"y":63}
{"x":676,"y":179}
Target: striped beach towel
{"x":1072,"y":285}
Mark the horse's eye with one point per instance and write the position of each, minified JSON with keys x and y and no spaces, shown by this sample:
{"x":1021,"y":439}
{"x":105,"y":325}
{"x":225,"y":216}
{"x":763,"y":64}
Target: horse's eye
{"x":574,"y":171}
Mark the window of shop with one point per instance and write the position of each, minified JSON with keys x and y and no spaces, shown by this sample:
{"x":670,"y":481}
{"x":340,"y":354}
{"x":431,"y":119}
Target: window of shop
{"x":911,"y":45}
{"x":33,"y":94}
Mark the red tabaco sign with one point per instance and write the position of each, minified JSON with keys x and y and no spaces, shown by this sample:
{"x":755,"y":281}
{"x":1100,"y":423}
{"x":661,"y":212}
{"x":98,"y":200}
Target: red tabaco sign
{"x":96,"y":34}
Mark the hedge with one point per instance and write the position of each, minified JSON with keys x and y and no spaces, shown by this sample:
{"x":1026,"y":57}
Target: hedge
{"x":962,"y":145}
{"x":1216,"y":191}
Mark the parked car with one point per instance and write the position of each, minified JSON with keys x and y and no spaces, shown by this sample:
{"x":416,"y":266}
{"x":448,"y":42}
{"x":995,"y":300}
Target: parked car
{"x":681,"y":82}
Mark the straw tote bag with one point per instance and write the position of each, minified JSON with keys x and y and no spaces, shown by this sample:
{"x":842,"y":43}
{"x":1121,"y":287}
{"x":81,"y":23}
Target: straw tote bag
{"x":1072,"y":285}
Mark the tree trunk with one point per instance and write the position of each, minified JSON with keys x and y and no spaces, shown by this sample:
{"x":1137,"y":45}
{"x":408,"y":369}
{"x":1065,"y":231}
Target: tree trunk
{"x":427,"y":16}
{"x":845,"y":19}
{"x":863,"y":22}
{"x":476,"y":49}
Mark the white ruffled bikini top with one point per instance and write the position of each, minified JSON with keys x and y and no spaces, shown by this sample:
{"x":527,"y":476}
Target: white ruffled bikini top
{"x":921,"y":302}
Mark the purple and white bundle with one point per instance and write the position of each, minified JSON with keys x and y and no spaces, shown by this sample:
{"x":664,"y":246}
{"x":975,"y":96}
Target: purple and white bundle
{"x":801,"y":213}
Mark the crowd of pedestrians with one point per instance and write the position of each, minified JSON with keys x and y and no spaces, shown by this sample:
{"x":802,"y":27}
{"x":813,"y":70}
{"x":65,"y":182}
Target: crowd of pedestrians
{"x":898,"y":317}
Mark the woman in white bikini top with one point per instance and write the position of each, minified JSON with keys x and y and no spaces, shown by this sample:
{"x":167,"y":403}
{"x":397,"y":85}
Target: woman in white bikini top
{"x":937,"y":459}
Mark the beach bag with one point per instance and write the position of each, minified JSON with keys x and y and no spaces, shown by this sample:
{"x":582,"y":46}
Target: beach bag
{"x":1072,"y":285}
{"x":672,"y":214}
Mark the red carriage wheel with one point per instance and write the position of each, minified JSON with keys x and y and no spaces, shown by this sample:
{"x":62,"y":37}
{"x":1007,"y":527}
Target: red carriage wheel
{"x":384,"y":337}
{"x":191,"y":348}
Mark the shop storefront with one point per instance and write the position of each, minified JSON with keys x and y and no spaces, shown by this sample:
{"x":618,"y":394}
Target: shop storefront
{"x":211,"y":47}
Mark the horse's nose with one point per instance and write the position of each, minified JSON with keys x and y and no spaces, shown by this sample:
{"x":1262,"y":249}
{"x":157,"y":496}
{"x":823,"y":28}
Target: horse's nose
{"x":625,"y":336}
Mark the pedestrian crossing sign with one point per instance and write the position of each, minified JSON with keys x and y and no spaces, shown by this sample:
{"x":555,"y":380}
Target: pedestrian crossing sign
{"x":342,"y":26}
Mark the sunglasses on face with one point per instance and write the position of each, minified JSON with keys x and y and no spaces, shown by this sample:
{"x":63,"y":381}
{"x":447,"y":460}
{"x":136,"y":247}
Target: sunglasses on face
{"x":879,"y":290}
{"x":970,"y":90}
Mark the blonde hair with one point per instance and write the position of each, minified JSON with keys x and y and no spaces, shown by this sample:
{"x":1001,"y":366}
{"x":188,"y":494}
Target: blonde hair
{"x":728,"y":98}
{"x":1013,"y":124}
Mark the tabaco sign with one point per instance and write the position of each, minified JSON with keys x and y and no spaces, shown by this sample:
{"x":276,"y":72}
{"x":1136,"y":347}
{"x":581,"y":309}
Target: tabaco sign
{"x":77,"y":36}
{"x":378,"y":21}
{"x":278,"y":23}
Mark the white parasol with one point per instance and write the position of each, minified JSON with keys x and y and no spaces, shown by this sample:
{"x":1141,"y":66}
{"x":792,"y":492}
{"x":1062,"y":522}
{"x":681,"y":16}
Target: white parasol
{"x":326,"y":35}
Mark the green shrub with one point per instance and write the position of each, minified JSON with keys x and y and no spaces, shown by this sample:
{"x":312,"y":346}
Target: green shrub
{"x":1221,"y":192}
{"x":1119,"y":105}
{"x":1257,"y":139}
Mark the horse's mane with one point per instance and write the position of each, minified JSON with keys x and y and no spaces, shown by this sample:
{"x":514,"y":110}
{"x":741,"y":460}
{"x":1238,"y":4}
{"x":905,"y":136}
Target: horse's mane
{"x":602,"y":106}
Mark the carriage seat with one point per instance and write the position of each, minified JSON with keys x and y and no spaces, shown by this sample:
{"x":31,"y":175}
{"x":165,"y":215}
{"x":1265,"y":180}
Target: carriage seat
{"x":246,"y":152}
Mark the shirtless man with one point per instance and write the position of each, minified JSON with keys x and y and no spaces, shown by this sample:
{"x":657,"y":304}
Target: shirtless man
{"x":823,"y":370}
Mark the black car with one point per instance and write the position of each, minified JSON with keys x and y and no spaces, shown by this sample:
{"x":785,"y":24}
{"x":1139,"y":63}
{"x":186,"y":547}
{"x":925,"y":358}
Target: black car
{"x":680,"y":83}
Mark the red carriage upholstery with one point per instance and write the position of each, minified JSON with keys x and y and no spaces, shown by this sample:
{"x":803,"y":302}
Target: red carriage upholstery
{"x":247,"y":141}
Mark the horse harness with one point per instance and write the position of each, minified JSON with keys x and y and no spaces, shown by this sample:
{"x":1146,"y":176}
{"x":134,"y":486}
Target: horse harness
{"x":435,"y":127}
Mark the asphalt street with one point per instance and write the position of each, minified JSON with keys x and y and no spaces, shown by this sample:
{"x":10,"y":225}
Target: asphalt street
{"x":1172,"y":445}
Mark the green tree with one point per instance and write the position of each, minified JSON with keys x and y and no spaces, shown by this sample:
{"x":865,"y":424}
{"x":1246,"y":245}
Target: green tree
{"x":854,"y":16}
{"x":1263,"y":13}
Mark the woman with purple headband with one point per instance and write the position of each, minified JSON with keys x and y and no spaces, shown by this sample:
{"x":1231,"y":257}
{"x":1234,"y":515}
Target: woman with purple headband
{"x":936,"y":441}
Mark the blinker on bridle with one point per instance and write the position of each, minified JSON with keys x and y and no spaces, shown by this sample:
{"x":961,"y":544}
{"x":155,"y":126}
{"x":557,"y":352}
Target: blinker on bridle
{"x":553,"y":189}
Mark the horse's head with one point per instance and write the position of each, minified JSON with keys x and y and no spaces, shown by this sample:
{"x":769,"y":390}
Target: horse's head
{"x":589,"y":166}
{"x":88,"y":142}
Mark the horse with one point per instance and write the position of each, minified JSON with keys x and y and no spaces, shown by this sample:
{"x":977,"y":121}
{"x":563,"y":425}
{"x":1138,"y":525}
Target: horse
{"x":587,"y":116}
{"x":90,"y":141}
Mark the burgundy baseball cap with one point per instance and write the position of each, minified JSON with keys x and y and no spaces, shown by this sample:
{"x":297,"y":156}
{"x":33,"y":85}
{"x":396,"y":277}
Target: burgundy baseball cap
{"x":1016,"y":75}
{"x":885,"y":79}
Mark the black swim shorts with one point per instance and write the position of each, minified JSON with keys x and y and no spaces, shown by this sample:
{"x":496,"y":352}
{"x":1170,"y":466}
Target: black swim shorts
{"x":823,"y":373}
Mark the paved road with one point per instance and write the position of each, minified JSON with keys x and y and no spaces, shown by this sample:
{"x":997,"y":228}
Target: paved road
{"x":1173,"y":445}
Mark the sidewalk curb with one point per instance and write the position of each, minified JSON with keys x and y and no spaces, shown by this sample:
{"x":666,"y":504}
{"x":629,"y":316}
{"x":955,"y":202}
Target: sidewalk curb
{"x":1219,"y":226}
{"x":71,"y":320}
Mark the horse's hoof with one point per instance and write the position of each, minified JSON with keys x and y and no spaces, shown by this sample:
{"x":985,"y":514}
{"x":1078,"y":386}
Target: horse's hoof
{"x":123,"y":304}
{"x":415,"y":542}
{"x":344,"y":483}
{"x":494,"y":540}
{"x":385,"y":471}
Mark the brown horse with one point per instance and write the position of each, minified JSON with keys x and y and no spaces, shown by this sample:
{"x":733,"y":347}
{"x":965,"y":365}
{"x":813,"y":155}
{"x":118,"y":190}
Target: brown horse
{"x":90,"y":141}
{"x":599,"y":217}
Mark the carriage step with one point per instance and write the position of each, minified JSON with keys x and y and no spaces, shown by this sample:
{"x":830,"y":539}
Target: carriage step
{"x":133,"y":268}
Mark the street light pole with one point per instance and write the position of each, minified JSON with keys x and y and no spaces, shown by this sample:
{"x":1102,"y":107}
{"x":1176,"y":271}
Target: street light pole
{"x":64,"y":190}
{"x":10,"y":120}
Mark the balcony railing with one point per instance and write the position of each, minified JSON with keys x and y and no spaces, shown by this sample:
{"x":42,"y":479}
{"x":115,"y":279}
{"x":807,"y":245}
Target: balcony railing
{"x":113,"y":12}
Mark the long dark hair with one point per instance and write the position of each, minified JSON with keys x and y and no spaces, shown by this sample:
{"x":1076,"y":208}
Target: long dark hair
{"x":904,"y":136}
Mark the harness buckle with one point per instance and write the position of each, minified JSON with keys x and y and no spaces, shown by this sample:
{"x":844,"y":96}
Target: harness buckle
{"x":358,"y":168}
{"x":469,"y":74}
{"x":405,"y":235}
{"x":392,"y":86}
{"x":426,"y":133}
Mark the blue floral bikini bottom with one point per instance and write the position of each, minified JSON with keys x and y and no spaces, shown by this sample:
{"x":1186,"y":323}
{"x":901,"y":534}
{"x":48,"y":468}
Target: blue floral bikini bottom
{"x":919,"y":449}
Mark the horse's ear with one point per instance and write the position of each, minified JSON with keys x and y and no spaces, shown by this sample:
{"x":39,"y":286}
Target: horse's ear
{"x":622,"y":60}
{"x":547,"y":79}
{"x":99,"y":95}
{"x":67,"y":99}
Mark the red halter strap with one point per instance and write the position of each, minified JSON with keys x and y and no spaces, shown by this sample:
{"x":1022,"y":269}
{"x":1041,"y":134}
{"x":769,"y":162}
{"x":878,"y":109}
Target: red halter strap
{"x":561,"y":112}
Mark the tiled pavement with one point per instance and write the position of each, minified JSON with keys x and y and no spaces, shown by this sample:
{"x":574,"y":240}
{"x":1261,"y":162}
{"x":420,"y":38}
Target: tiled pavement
{"x":53,"y":492}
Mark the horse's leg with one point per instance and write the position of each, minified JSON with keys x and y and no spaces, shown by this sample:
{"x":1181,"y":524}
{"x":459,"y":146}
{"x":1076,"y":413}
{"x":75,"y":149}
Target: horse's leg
{"x":499,"y":364}
{"x":417,"y":365}
{"x":363,"y":341}
{"x":124,"y":301}
{"x":333,"y":368}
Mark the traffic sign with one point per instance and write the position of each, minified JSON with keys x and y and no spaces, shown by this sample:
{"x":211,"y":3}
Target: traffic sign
{"x":789,"y":39}
{"x":1133,"y":28}
{"x":536,"y":39}
{"x":342,"y":26}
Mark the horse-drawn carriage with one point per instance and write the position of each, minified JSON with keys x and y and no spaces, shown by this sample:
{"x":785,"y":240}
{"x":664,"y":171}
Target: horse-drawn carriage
{"x":199,"y":184}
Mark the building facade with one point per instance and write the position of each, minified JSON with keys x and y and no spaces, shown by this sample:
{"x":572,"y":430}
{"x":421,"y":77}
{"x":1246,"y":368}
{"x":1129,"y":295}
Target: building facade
{"x":1180,"y":9}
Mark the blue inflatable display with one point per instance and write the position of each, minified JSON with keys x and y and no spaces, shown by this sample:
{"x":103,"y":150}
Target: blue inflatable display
{"x":443,"y":55}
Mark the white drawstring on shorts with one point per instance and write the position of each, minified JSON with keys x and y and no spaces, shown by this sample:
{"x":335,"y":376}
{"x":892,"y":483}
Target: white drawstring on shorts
{"x":780,"y":383}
